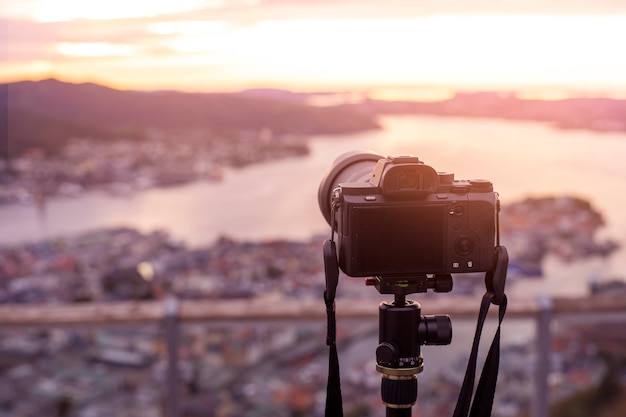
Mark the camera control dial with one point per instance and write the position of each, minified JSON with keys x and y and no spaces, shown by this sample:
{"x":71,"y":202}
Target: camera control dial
{"x":464,"y":245}
{"x":480,"y":185}
{"x":446,"y":177}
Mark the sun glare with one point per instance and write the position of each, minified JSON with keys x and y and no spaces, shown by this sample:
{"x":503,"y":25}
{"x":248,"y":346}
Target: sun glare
{"x":443,"y":49}
{"x":189,"y":28}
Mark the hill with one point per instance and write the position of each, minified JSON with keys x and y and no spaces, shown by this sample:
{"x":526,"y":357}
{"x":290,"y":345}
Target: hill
{"x":600,"y":114}
{"x":45,"y":113}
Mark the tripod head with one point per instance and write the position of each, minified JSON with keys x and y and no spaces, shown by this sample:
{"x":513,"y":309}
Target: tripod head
{"x":402,"y":330}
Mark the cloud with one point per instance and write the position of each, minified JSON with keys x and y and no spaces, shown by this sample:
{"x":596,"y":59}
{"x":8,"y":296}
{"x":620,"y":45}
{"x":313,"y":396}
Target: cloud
{"x":66,"y":10}
{"x":26,"y":39}
{"x":359,"y":9}
{"x":259,"y":38}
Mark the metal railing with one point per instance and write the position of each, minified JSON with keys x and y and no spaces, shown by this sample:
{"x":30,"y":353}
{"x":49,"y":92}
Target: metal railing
{"x":171,"y":311}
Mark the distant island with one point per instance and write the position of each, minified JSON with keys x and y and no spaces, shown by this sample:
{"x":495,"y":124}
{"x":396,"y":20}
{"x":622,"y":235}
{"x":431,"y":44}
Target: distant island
{"x":597,"y":114}
{"x":563,"y":226}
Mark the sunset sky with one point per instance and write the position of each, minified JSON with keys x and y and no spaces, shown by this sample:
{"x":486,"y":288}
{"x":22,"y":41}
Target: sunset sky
{"x":305,"y":45}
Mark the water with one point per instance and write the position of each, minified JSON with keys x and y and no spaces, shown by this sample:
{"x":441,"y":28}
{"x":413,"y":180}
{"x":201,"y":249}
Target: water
{"x":279,"y":199}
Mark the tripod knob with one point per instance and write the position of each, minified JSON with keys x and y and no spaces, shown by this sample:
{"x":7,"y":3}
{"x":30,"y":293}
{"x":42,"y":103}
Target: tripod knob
{"x":435,"y":330}
{"x":386,"y":353}
{"x":442,"y":283}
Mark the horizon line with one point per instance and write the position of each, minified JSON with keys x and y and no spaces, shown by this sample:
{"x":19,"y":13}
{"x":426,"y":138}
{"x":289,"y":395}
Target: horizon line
{"x":380,"y":91}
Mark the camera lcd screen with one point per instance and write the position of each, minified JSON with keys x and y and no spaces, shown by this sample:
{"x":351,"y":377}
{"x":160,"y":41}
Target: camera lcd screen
{"x":399,"y":239}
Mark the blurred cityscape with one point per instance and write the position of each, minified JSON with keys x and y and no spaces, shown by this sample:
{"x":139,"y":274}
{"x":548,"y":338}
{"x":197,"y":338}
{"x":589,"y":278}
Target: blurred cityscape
{"x":230,"y":369}
{"x":126,"y":166}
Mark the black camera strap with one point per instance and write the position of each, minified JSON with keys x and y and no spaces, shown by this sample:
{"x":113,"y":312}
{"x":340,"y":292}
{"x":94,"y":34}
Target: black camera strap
{"x":482,"y":404}
{"x":334,"y":406}
{"x":334,"y":403}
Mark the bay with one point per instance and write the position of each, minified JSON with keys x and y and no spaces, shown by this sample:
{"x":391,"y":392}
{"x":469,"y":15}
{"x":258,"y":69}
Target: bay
{"x":276,"y":200}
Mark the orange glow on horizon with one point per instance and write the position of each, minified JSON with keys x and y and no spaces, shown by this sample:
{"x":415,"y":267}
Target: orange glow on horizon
{"x":543,"y":55}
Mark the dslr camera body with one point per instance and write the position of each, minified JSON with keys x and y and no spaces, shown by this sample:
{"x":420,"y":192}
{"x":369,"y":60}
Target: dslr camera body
{"x":397,"y":216}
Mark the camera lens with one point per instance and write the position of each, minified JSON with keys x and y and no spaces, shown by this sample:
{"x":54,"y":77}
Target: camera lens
{"x":354,"y":166}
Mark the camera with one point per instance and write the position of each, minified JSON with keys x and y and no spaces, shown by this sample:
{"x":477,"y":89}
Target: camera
{"x":396,"y":216}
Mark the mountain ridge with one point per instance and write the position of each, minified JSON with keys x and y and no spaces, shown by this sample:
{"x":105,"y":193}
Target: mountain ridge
{"x":46,"y":113}
{"x":55,"y":106}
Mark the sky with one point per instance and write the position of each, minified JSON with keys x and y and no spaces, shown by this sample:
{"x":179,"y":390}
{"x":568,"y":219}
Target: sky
{"x":315,"y":45}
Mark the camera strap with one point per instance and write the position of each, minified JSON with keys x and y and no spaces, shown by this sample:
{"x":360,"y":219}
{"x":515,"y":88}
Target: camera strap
{"x":334,"y":406}
{"x":482,"y":403}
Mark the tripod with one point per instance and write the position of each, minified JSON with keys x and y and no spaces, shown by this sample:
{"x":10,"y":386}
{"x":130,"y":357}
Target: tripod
{"x":402,"y":330}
